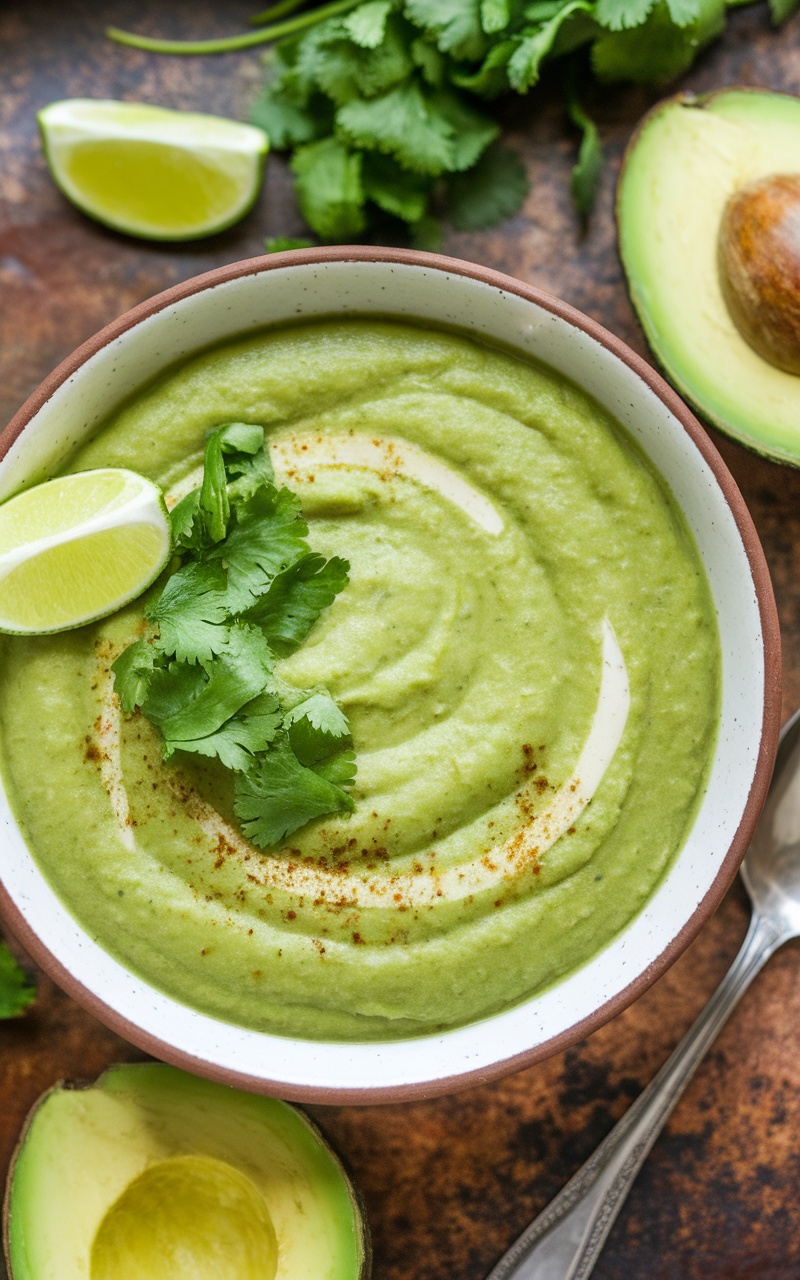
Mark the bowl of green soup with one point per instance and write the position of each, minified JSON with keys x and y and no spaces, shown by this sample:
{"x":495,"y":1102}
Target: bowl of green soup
{"x":557,"y":651}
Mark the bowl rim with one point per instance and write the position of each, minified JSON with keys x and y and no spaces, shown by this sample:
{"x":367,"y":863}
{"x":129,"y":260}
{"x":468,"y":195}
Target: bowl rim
{"x":771,"y":716}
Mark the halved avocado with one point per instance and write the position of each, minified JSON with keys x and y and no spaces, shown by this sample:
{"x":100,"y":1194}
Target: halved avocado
{"x":153,"y":1174}
{"x":685,"y":160}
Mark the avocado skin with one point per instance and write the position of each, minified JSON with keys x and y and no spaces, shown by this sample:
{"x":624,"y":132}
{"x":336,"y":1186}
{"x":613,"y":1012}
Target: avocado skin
{"x":209,"y":1119}
{"x":738,"y":392}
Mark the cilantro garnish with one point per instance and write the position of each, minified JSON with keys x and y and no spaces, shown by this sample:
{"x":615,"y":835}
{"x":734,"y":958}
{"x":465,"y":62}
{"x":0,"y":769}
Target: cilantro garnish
{"x":191,"y":612}
{"x":247,"y":591}
{"x":294,"y":599}
{"x":280,"y":794}
{"x":16,"y":990}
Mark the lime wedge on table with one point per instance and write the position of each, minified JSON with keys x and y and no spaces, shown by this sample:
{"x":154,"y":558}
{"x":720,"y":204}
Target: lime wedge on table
{"x":77,"y":548}
{"x":164,"y":175}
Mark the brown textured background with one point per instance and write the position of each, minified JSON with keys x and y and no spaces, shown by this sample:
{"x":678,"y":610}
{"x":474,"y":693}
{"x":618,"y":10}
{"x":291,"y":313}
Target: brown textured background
{"x":448,"y":1183}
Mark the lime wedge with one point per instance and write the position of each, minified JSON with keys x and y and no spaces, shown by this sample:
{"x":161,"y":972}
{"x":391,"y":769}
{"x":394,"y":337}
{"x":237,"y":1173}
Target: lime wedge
{"x":77,"y":548}
{"x":163,"y":175}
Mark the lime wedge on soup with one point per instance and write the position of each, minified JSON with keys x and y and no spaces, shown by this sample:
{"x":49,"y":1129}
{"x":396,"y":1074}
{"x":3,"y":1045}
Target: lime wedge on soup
{"x":151,"y":172}
{"x":78,"y":548}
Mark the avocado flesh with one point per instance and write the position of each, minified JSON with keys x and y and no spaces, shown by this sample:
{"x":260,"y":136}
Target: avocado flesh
{"x":139,"y":1129}
{"x":687,"y":158}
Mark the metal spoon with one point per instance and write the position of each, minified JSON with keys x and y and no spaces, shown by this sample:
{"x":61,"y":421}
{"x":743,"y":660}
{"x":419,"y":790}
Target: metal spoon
{"x":565,"y":1241}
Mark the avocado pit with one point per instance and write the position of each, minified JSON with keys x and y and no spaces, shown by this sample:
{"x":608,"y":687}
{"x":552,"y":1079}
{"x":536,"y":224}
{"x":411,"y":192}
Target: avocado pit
{"x":190,"y":1217}
{"x":759,"y":266}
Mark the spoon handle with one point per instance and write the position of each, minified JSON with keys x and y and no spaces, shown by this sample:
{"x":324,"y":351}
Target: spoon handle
{"x":564,"y":1242}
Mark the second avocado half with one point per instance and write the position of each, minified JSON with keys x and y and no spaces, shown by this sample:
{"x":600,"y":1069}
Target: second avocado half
{"x":152,"y":1173}
{"x":688,"y":156}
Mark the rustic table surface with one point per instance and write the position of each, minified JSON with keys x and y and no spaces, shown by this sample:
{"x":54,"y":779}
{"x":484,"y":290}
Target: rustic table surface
{"x":448,"y":1183}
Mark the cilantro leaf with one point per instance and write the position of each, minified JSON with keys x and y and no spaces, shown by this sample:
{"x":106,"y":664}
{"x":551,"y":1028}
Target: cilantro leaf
{"x":322,"y":714}
{"x":236,"y":464}
{"x":683,"y":12}
{"x":429,"y":60}
{"x":658,"y":50}
{"x":455,"y":25}
{"x":578,"y":28}
{"x":495,"y":15}
{"x":17,"y":992}
{"x":428,"y":234}
{"x":317,"y":728}
{"x":214,"y":507}
{"x":185,"y":707}
{"x":171,"y":690}
{"x":280,"y":795}
{"x":494,"y":189}
{"x":247,"y":461}
{"x":394,"y":189}
{"x":329,"y":190}
{"x":780,"y":10}
{"x":237,"y":742}
{"x":133,"y":670}
{"x":366,"y":25}
{"x":491,"y":77}
{"x":279,"y":244}
{"x":296,"y":597}
{"x":330,"y":61}
{"x":187,"y":530}
{"x":339,"y":769}
{"x":190,"y":613}
{"x":290,"y":110}
{"x":536,"y":44}
{"x":402,"y":124}
{"x":619,"y":15}
{"x":543,"y":10}
{"x":428,"y":133}
{"x":473,"y":132}
{"x":234,"y":449}
{"x":241,"y":437}
{"x":288,"y":123}
{"x":268,"y":537}
{"x":292,"y":64}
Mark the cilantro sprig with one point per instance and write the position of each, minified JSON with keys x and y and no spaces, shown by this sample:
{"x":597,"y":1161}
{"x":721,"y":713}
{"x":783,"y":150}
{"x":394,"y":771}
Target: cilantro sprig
{"x":245,"y":591}
{"x":383,"y":104}
{"x":16,"y":990}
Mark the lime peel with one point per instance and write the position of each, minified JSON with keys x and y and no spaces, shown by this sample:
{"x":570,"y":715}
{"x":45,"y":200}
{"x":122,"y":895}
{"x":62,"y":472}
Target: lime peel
{"x":78,"y":548}
{"x":152,"y":172}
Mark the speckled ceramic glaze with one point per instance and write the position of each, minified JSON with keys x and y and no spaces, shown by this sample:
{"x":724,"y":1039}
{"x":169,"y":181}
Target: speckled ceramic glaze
{"x":245,"y":297}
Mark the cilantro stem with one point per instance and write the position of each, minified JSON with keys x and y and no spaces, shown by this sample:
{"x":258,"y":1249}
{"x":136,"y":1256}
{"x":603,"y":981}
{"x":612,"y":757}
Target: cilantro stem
{"x":275,"y":11}
{"x":228,"y":44}
{"x":586,"y":172}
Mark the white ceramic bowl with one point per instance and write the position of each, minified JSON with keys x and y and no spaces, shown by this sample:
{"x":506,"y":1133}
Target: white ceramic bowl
{"x":440,"y":291}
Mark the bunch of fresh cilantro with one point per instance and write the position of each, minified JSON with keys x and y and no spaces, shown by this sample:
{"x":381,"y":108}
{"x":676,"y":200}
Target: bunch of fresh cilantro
{"x":383,"y":104}
{"x":247,"y":592}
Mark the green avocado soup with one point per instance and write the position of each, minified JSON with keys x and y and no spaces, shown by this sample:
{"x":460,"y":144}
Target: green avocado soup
{"x":527,"y":653}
